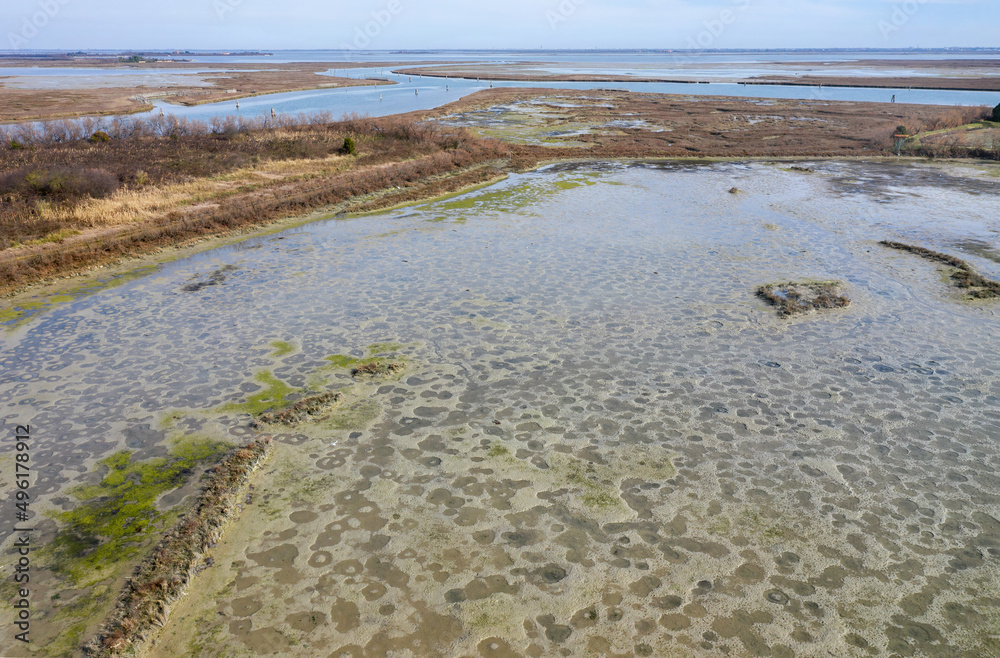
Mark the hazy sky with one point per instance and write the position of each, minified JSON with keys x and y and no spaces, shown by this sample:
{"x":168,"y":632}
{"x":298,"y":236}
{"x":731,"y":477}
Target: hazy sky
{"x":415,"y":24}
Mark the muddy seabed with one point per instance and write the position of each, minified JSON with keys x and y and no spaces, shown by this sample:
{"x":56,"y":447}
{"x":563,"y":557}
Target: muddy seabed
{"x":603,"y":443}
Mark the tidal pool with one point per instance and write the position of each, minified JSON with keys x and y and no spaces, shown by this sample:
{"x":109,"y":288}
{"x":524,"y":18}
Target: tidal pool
{"x":603,"y":443}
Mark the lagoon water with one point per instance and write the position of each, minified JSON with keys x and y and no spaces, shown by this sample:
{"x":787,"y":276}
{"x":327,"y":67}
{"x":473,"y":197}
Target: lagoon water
{"x":434,"y":92}
{"x":413,"y":92}
{"x":603,"y":442}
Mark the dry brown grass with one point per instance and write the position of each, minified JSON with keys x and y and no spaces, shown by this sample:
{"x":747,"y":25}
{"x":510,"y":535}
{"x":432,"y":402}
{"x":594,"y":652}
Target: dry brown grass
{"x":129,"y":206}
{"x":178,"y":188}
{"x":707,"y":126}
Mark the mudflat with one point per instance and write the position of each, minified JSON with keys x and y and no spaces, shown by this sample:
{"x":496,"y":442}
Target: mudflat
{"x":551,"y":417}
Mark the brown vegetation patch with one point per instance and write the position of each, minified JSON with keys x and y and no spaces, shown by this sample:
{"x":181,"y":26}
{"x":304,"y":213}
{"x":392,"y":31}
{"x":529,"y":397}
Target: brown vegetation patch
{"x":978,"y":74}
{"x":216,"y":278}
{"x":306,"y":409}
{"x":58,"y":183}
{"x":206,"y":184}
{"x":796,"y":298}
{"x":163,"y":576}
{"x":980,"y":139}
{"x":964,"y":276}
{"x":377,"y":368}
{"x":635,"y":125}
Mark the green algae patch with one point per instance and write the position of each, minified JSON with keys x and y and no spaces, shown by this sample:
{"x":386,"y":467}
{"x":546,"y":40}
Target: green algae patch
{"x":572,"y":184}
{"x":498,"y":450}
{"x":163,"y":576}
{"x":281,"y":348}
{"x":355,"y":416}
{"x":9,"y":315}
{"x":272,"y":397}
{"x":597,"y":487}
{"x":752,"y":520}
{"x":342,"y":361}
{"x":112,"y":520}
{"x":22,"y":312}
{"x":600,"y":499}
{"x":373,"y":365}
{"x":506,"y":199}
{"x":509,"y":199}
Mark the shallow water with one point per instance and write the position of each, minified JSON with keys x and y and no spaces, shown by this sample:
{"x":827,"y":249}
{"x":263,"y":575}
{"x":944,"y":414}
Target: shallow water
{"x":603,"y":441}
{"x":412,"y":93}
{"x":625,"y":58}
{"x":435,"y":92}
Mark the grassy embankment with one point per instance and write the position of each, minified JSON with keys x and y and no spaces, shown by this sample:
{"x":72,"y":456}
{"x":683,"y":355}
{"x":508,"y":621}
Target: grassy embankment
{"x":74,"y":202}
{"x":978,"y":139}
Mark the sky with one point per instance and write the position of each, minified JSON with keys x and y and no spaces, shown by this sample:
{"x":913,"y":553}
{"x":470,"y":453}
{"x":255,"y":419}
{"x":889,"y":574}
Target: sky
{"x":495,"y":24}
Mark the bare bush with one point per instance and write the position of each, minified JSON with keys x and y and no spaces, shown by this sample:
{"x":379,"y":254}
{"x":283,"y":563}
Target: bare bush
{"x":58,"y":183}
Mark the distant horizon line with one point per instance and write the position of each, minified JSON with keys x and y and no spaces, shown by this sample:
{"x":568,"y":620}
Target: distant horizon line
{"x":252,"y":51}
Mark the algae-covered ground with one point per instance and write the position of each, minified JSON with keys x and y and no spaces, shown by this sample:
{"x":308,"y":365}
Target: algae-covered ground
{"x":104,"y":526}
{"x":599,"y":441}
{"x":26,"y":307}
{"x":544,"y":121}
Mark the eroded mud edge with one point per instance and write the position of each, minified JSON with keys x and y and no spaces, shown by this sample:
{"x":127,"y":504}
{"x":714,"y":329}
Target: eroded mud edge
{"x":163,"y":576}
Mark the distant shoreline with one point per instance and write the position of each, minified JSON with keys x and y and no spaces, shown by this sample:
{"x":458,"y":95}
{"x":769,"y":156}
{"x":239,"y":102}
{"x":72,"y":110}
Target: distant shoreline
{"x":952,"y":75}
{"x":977,"y":50}
{"x":987,"y":84}
{"x":228,"y":81}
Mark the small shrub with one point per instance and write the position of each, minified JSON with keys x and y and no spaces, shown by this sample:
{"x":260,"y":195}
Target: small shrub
{"x":36,"y":180}
{"x":60,"y":183}
{"x":996,"y":112}
{"x":141,"y":178}
{"x":350,"y":148}
{"x":901,"y":130}
{"x":100,"y":136}
{"x":15,"y":145}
